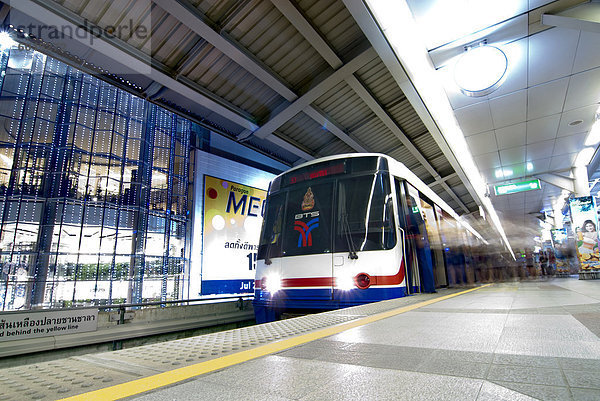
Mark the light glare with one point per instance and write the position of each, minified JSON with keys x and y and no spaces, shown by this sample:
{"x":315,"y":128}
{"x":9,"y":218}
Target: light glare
{"x":593,"y":137}
{"x":480,"y":70}
{"x":344,"y":282}
{"x":584,"y":157}
{"x":273,"y":283}
{"x":6,"y":41}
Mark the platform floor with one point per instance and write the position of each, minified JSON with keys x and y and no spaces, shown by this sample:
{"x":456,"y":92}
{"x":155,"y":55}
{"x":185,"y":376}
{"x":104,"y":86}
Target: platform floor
{"x":513,"y":341}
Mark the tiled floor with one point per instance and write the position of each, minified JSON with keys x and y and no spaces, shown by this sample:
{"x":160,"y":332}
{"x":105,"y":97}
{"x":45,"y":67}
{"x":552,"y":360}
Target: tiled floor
{"x":517,"y":341}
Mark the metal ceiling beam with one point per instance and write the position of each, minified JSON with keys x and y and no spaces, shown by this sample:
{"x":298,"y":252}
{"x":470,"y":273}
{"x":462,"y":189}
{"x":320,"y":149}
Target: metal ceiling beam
{"x":191,"y":17}
{"x":290,"y":147}
{"x":322,"y":47}
{"x":313,"y":37}
{"x":317,"y":115}
{"x":313,"y":94}
{"x":52,"y":13}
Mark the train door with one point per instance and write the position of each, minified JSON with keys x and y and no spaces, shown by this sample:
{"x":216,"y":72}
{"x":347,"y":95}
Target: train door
{"x":419,"y":266}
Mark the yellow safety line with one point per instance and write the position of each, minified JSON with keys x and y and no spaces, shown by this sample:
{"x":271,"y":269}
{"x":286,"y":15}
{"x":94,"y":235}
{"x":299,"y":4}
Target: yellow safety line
{"x":173,"y":376}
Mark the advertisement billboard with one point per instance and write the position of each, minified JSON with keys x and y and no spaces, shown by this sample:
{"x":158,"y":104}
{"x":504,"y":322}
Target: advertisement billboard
{"x":232,"y":221}
{"x":585,"y":227}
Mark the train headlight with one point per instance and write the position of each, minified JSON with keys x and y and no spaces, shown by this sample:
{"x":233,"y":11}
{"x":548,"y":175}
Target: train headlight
{"x":344,"y":282}
{"x":272,"y":283}
{"x":363,"y":281}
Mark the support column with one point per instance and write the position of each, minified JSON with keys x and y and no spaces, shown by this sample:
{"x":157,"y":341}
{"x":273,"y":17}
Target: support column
{"x":582,"y":187}
{"x":558,"y":217}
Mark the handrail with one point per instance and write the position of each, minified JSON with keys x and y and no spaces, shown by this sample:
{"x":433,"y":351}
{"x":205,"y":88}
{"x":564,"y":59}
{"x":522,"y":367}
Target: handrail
{"x":122,"y":307}
{"x":202,"y":300}
{"x":240,"y":299}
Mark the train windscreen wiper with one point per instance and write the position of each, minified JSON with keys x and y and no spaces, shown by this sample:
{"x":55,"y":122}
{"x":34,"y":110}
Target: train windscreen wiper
{"x":348,"y":235}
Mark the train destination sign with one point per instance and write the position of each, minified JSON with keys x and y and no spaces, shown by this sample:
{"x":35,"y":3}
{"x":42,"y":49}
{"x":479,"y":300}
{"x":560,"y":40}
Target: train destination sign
{"x":514,"y":187}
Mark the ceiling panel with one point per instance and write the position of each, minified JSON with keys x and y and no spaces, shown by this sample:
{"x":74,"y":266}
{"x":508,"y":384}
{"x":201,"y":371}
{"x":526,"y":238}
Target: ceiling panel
{"x":509,"y":109}
{"x":546,"y":99}
{"x":584,"y":89}
{"x":588,"y":55}
{"x":551,"y":54}
{"x":562,"y":162}
{"x":569,"y":144}
{"x":512,"y":155}
{"x":482,"y":143}
{"x":540,"y":150}
{"x":475,"y":118}
{"x":539,"y":165}
{"x":584,"y":114}
{"x":509,"y":137}
{"x":542,"y":129}
{"x":487,"y":161}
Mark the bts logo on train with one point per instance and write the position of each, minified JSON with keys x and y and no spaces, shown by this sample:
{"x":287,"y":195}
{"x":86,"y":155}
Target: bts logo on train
{"x":308,"y":203}
{"x":305,"y":238}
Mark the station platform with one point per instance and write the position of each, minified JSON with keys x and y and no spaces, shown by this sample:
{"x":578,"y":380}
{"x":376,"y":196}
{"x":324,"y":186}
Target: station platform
{"x":513,"y":341}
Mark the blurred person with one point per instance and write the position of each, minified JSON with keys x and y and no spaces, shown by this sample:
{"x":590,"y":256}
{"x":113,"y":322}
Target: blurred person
{"x":529,"y":263}
{"x":544,"y":263}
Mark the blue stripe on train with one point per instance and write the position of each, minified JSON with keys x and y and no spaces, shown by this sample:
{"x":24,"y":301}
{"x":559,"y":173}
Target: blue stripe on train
{"x":322,"y":298}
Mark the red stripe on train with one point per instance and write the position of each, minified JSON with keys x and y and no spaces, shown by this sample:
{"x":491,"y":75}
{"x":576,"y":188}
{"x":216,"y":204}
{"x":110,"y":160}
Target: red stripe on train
{"x":394,"y":279}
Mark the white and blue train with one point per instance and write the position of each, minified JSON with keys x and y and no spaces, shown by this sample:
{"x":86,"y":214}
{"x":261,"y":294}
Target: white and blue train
{"x":351,"y":229}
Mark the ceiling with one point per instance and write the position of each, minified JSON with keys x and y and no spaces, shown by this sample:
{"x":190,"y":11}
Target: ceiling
{"x":536,"y":122}
{"x":301,"y":79}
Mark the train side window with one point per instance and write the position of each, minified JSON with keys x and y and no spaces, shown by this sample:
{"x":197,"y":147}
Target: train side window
{"x":271,"y":238}
{"x":365,"y":214}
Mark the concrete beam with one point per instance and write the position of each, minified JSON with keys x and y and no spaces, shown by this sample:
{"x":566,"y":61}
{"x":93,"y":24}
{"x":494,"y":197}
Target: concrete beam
{"x":584,"y":17}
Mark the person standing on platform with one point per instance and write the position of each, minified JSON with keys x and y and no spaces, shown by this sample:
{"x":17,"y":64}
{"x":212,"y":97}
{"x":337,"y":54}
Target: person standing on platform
{"x":544,"y":263}
{"x":529,"y":262}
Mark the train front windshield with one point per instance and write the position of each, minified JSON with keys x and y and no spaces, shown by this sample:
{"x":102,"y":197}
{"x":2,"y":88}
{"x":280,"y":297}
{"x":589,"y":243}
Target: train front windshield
{"x":343,"y":205}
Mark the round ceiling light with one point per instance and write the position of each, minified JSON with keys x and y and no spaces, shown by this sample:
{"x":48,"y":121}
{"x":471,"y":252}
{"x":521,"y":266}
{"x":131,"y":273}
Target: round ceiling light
{"x":480,"y":70}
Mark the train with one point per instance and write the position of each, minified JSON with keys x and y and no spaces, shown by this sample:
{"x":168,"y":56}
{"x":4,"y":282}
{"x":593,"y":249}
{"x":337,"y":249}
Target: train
{"x":351,"y":229}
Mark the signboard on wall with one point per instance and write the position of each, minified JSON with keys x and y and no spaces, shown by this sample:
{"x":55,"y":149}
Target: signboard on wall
{"x":232,"y":222}
{"x":585,"y":226}
{"x":35,"y":324}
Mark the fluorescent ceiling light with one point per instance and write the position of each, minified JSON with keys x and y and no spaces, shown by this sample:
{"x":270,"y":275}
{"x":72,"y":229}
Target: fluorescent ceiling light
{"x":480,"y":70}
{"x":444,"y":21}
{"x":584,"y":157}
{"x":503,"y":173}
{"x":529,"y":166}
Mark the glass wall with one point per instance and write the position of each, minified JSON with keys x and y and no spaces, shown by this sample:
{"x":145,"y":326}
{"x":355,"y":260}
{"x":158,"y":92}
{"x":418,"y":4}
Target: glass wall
{"x":93,"y":189}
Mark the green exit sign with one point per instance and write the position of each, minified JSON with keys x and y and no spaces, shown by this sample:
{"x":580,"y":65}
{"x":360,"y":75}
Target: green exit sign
{"x":513,"y":188}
